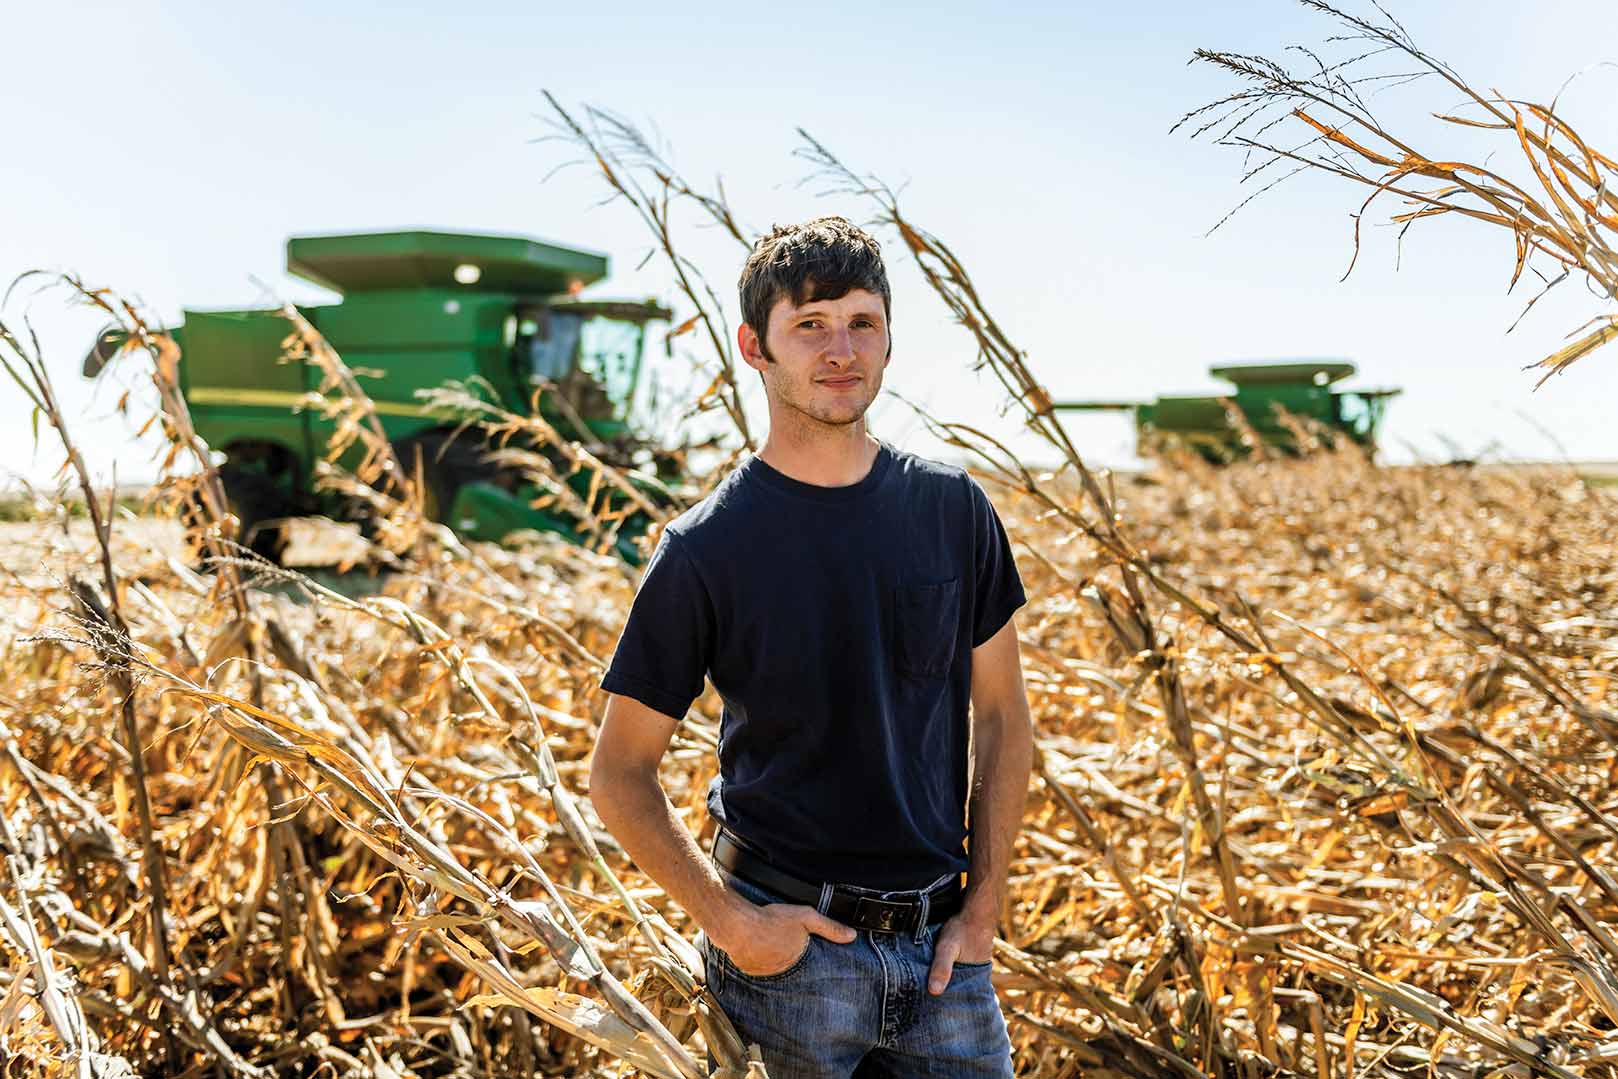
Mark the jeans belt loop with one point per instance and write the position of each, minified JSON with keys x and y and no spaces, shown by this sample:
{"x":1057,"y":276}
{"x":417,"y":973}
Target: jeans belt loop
{"x":825,"y":897}
{"x":921,"y":922}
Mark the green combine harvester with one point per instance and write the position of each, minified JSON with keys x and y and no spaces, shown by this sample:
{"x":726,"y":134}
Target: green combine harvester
{"x":1262,"y":390}
{"x":498,"y":314}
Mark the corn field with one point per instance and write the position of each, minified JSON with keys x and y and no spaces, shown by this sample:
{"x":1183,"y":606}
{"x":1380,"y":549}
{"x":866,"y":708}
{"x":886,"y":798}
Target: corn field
{"x":373,"y":860}
{"x":1325,"y":779}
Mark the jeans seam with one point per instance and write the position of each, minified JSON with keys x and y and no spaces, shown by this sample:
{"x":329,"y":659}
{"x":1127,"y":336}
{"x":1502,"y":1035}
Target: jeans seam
{"x":884,"y":1034}
{"x":912,"y":995}
{"x":716,"y":977}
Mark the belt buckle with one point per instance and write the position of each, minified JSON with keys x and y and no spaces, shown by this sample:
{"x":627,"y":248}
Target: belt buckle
{"x":885,"y":916}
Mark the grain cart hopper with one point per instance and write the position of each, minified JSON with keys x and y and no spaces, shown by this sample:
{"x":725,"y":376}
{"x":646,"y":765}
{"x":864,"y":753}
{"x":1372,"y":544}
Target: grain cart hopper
{"x":418,"y":308}
{"x":1303,"y":389}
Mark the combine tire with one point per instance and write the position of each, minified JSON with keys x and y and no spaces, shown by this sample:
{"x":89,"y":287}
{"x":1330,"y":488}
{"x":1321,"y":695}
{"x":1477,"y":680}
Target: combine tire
{"x":259,"y":503}
{"x":447,"y":465}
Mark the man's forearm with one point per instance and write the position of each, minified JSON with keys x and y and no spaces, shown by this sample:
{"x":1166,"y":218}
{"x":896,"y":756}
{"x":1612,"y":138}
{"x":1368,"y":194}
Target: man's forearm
{"x":1002,"y":760}
{"x":638,"y":814}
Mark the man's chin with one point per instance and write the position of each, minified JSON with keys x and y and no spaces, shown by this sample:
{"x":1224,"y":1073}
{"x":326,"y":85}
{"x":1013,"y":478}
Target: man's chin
{"x":841,"y":417}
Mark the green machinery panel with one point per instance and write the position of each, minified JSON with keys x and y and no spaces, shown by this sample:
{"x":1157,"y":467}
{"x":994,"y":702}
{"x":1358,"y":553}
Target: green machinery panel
{"x":234,"y":382}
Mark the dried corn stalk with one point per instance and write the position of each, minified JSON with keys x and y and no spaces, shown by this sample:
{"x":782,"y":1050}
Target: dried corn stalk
{"x":1551,"y":190}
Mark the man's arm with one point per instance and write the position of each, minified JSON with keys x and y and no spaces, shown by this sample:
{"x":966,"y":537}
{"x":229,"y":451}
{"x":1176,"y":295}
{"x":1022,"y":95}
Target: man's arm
{"x":627,"y":796}
{"x":1002,"y":758}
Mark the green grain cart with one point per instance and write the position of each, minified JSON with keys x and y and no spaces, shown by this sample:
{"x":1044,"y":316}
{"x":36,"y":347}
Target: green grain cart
{"x":1262,"y":391}
{"x":499,"y":313}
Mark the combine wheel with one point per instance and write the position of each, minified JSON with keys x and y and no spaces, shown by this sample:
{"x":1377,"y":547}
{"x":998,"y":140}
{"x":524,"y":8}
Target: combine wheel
{"x":446,"y":465}
{"x":259,"y":504}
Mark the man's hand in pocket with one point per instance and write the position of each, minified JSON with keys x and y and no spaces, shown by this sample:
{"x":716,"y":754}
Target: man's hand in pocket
{"x":766,"y":940}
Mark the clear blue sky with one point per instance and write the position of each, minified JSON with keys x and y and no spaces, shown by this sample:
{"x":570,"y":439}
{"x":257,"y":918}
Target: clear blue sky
{"x":168,"y":150}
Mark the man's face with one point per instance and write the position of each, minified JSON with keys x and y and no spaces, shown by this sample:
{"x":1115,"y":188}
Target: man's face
{"x":828,"y":355}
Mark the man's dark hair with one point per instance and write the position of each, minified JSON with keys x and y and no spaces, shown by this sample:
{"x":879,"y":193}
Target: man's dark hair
{"x":823,"y":259}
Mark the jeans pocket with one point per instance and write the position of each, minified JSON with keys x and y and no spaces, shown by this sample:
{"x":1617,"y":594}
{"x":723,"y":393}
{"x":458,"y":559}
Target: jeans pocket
{"x":735,"y":972}
{"x":926,"y":617}
{"x":930,"y":942}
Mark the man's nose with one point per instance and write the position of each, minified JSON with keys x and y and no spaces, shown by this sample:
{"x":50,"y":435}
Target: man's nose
{"x":841,"y":345}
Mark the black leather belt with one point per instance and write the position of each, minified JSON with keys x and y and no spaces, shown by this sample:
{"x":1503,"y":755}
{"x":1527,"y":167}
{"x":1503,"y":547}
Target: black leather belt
{"x":860,"y":908}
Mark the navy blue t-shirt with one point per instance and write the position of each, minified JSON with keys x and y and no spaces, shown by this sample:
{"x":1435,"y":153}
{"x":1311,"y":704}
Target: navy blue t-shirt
{"x":837,"y":624}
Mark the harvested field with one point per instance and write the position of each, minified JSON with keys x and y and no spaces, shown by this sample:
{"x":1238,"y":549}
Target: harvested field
{"x":1326,"y":751}
{"x":1460,"y":624}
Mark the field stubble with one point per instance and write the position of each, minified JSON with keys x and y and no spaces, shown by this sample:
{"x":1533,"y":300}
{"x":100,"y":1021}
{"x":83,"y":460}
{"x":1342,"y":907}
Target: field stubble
{"x":1462,"y":623}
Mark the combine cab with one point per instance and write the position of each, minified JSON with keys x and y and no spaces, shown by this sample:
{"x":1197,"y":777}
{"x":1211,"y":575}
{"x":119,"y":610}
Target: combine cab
{"x":498,"y":313}
{"x":1263,"y":391}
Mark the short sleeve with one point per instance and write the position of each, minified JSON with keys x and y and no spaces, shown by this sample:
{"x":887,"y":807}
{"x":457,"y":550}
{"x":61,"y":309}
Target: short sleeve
{"x":997,"y":589}
{"x":666,"y":646}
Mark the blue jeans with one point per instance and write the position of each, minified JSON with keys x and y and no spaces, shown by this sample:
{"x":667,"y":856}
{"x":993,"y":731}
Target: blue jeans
{"x":862,"y":1010}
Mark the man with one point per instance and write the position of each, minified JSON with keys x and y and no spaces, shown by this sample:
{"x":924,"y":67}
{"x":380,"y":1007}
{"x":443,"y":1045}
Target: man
{"x":848,"y":601}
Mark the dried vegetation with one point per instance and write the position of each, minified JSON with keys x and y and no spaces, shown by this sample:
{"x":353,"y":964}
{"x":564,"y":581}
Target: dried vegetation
{"x":1325,"y":784}
{"x":1532,"y":175}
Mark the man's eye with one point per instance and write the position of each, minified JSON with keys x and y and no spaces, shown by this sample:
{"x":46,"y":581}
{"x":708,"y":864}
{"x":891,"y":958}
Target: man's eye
{"x":808,"y":324}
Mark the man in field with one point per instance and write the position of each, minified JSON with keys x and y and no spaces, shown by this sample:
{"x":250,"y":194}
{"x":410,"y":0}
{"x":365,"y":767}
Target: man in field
{"x":848,"y":601}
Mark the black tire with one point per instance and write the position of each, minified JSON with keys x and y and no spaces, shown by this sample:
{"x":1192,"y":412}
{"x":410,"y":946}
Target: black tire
{"x":258,"y":502}
{"x":447,"y":464}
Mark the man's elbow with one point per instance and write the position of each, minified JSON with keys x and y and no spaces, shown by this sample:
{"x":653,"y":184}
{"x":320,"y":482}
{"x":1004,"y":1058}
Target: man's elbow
{"x":607,"y":787}
{"x":1008,"y":722}
{"x":618,"y":786}
{"x":601,"y":778}
{"x":623,"y":769}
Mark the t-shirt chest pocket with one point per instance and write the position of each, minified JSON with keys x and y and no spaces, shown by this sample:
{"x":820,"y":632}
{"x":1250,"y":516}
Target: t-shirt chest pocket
{"x":926,"y":617}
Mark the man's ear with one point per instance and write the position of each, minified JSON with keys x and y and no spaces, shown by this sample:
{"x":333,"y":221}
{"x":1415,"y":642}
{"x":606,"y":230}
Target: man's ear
{"x":751,"y":347}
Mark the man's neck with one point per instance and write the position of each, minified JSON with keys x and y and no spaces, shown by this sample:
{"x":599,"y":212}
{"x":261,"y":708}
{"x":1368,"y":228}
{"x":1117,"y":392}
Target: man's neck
{"x":826,"y":459}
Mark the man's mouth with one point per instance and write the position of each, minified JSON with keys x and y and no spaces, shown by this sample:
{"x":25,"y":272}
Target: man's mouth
{"x":843,"y":380}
